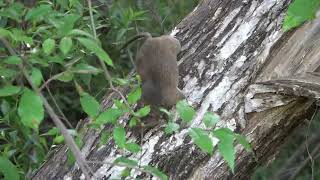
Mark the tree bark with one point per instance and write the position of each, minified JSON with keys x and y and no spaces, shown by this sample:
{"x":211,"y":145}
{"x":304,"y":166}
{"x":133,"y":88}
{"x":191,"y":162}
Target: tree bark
{"x":229,"y":50}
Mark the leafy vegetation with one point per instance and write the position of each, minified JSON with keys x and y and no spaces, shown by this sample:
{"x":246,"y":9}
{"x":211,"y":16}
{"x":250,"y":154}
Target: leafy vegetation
{"x":59,"y":46}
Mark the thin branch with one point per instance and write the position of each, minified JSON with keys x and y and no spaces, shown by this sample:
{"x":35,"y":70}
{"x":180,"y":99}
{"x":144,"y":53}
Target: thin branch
{"x":306,"y":142}
{"x":304,"y":163}
{"x":154,"y":11}
{"x":92,"y":20}
{"x":59,"y":109}
{"x":310,"y":155}
{"x":282,"y":172}
{"x":106,"y":72}
{"x":46,"y":83}
{"x":67,"y":137}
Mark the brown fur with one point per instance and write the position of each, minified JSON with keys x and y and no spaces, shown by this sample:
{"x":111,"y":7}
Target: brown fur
{"x":156,"y":63}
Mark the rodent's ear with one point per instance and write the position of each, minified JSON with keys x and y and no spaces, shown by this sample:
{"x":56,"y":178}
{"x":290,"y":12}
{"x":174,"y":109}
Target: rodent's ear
{"x":181,"y":96}
{"x":173,"y":43}
{"x":176,"y":44}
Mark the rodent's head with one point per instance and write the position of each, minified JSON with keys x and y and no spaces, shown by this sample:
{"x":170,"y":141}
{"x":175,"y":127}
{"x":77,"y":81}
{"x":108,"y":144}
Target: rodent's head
{"x":172,"y":43}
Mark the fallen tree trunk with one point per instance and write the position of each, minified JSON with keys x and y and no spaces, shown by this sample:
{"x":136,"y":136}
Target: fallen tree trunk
{"x":227,"y":47}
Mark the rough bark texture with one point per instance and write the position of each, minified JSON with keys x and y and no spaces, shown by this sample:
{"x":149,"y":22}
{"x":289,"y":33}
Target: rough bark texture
{"x":227,"y":48}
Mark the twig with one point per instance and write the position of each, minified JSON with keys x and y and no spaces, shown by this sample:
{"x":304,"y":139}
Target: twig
{"x":59,"y":109}
{"x":155,"y":13}
{"x":131,"y":60}
{"x":306,"y":142}
{"x":281,"y":173}
{"x":310,"y":155}
{"x":106,"y":72}
{"x":304,"y":163}
{"x":109,"y":79}
{"x":91,"y":19}
{"x":67,"y":137}
{"x":46,"y":83}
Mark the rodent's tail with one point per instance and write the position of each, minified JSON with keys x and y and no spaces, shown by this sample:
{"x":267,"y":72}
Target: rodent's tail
{"x":144,"y":35}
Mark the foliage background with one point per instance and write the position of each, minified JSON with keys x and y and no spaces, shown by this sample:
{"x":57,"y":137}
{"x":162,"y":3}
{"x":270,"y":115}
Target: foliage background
{"x":116,"y":21}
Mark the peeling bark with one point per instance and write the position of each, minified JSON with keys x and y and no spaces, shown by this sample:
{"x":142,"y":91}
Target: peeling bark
{"x":233,"y":55}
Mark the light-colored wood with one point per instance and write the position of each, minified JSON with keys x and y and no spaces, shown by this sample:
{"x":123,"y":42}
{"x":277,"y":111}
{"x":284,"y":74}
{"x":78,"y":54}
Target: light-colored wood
{"x":233,"y":53}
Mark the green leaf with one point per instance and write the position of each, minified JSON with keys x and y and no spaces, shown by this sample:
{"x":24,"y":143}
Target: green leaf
{"x":14,"y":11}
{"x":5,"y":107}
{"x":13,"y":60}
{"x":53,"y":132}
{"x":70,"y":157}
{"x":31,"y":109}
{"x":201,"y":139}
{"x":126,"y":172}
{"x":56,"y":58}
{"x":133,"y":147}
{"x":155,"y":172}
{"x":143,"y":111}
{"x":121,"y":105}
{"x":7,"y":73}
{"x":171,"y":127}
{"x":5,"y":33}
{"x":168,"y":113}
{"x":36,"y":77}
{"x":78,"y":137}
{"x":79,"y":89}
{"x":126,"y":162}
{"x":9,"y":90}
{"x":48,"y":46}
{"x":105,"y":136}
{"x":58,"y":139}
{"x":210,"y":119}
{"x":38,"y":13}
{"x":63,"y":3}
{"x":90,"y":105}
{"x":65,"y":24}
{"x":73,"y":3}
{"x":185,"y":111}
{"x":300,"y":11}
{"x":111,"y":115}
{"x":244,"y":142}
{"x":121,"y":81}
{"x":134,"y":96}
{"x":8,"y":169}
{"x":19,"y":35}
{"x":66,"y":76}
{"x":86,"y":79}
{"x":65,"y":45}
{"x":222,"y":131}
{"x":96,"y":49}
{"x":78,"y":32}
{"x":119,"y":136}
{"x":83,"y":68}
{"x":121,"y":33}
{"x":133,"y":122}
{"x":225,"y":145}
